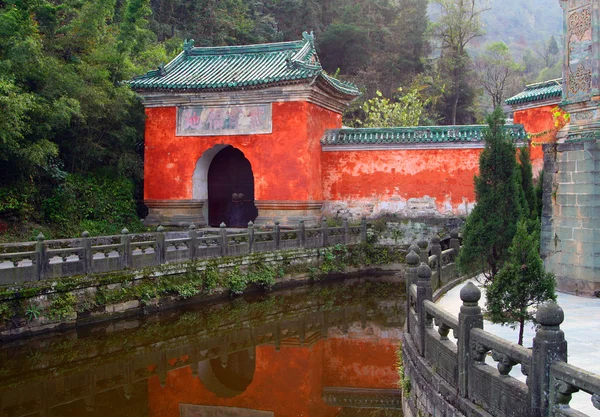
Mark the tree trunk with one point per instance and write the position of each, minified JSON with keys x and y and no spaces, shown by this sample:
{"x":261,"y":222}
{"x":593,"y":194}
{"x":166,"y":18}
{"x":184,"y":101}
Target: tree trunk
{"x":521,"y":327}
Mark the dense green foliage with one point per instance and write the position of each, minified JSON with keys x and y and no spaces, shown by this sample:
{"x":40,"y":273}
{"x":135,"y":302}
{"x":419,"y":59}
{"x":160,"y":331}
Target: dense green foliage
{"x":521,"y":284}
{"x":67,"y":122}
{"x":491,"y":226}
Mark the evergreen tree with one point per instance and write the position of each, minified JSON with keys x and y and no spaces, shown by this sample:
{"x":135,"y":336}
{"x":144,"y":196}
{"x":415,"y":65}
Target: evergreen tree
{"x":521,"y":284}
{"x":527,"y":183}
{"x":491,"y":226}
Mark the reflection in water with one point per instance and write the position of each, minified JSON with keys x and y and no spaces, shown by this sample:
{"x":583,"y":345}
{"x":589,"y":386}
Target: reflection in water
{"x":326,"y":350}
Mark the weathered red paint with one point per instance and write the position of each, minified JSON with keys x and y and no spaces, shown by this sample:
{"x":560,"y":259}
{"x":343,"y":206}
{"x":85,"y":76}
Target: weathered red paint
{"x":286,"y":163}
{"x":288,"y":382}
{"x":443,"y":174}
{"x":540,"y":124}
{"x":358,"y":363}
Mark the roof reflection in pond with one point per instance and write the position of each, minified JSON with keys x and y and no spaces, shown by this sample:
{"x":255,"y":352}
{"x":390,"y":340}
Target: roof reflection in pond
{"x":310,"y":351}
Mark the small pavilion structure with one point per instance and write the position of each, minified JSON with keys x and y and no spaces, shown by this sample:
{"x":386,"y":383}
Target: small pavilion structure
{"x":233,"y":134}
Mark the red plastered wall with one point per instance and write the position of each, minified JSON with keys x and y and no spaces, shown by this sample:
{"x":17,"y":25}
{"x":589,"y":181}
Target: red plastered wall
{"x":444,"y":174}
{"x":285,"y":163}
{"x":539,"y":123}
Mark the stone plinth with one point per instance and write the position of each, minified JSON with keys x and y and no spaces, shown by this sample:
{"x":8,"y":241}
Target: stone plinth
{"x":175,"y":212}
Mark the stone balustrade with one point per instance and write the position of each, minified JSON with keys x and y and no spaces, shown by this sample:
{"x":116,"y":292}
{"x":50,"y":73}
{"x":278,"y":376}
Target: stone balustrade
{"x":50,"y":259}
{"x":450,"y":375}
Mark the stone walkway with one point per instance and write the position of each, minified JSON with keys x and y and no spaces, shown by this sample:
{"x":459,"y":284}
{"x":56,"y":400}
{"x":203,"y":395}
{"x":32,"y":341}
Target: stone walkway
{"x":581,"y":327}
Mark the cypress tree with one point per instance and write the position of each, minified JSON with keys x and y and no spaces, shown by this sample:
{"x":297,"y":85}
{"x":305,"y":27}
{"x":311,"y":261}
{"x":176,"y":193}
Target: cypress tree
{"x":491,"y":226}
{"x":521,"y":284}
{"x":527,"y":184}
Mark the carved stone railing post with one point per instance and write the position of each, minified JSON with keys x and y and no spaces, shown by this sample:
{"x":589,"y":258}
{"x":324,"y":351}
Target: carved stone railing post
{"x":549,"y":345}
{"x":302,"y":233}
{"x":363,"y":230}
{"x":424,"y":292}
{"x":470,"y":317}
{"x":277,"y":235}
{"x":126,"y":248}
{"x":423,"y":250}
{"x":455,"y":242}
{"x":161,"y":248}
{"x":250,"y":236}
{"x":436,"y":249}
{"x":86,"y":243}
{"x":412,"y":260}
{"x":346,"y":231}
{"x":193,"y":236}
{"x":324,"y":232}
{"x":40,"y":257}
{"x":224,"y":241}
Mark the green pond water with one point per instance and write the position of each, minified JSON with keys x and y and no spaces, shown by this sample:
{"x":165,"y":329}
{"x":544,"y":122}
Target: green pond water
{"x":321,"y":350}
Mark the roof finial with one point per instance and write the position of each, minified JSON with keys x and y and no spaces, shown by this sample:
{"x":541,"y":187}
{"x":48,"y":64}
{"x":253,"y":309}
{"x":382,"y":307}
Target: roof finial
{"x":188,"y":44}
{"x":310,"y":37}
{"x":161,"y":69}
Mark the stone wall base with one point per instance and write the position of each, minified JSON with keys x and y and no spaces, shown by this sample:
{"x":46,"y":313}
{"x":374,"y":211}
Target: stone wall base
{"x":175,"y":213}
{"x":578,"y":287}
{"x":424,"y":207}
{"x":288,"y":213}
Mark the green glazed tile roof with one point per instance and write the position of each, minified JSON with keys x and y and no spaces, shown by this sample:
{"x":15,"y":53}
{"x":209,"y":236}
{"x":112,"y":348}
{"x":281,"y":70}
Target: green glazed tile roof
{"x":421,"y":134}
{"x":242,"y":67}
{"x":537,"y":92}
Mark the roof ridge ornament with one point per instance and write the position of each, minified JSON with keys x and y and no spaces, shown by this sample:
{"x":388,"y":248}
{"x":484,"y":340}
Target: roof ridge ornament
{"x":161,"y":69}
{"x":188,"y":45}
{"x":309,"y":37}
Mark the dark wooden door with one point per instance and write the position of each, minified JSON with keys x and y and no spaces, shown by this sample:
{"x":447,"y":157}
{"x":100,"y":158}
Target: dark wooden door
{"x":231,"y":189}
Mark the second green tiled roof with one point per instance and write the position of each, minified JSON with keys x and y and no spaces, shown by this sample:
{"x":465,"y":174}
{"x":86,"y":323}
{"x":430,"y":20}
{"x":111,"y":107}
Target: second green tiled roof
{"x":241,"y":67}
{"x":537,"y":92}
{"x":419,"y":134}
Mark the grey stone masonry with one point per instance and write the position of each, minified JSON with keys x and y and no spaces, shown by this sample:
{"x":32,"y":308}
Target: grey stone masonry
{"x":570,"y":241}
{"x":571,"y":213}
{"x":452,"y":376}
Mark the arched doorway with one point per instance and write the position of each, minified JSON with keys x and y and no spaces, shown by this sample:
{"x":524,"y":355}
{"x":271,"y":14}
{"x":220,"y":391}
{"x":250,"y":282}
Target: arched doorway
{"x":231,"y":189}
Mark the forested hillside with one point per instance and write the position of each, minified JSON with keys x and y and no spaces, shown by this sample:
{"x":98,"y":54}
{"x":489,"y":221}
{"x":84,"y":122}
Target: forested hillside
{"x":71,"y":136}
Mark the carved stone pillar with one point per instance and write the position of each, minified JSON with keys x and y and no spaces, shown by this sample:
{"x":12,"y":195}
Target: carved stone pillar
{"x":571,"y":216}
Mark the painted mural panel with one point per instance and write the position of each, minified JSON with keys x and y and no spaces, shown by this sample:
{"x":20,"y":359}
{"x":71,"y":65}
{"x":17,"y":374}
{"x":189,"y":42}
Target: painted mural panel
{"x":192,"y":410}
{"x":224,"y":120}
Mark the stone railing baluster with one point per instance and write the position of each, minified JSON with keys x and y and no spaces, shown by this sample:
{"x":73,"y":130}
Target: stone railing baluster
{"x":86,"y":243}
{"x":126,"y":249}
{"x":470,"y":317}
{"x":277,"y":236}
{"x":412,"y":260}
{"x":40,"y":257}
{"x":193,"y":236}
{"x":346,"y":231}
{"x":324,"y":241}
{"x":424,"y":292}
{"x":224,"y":242}
{"x":549,"y":345}
{"x":302,"y":233}
{"x":363,"y":229}
{"x":423,"y":250}
{"x":161,"y":248}
{"x":250,"y":236}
